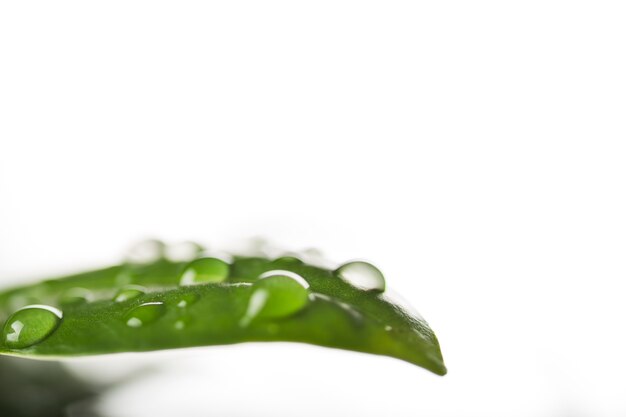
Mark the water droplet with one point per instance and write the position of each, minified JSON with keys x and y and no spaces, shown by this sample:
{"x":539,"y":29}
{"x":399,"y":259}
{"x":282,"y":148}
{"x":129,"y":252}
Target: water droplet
{"x":362,"y":275}
{"x":186,"y":300}
{"x":30,"y":325}
{"x":204,"y":270}
{"x":182,"y":323}
{"x":129,"y":292}
{"x":146,"y":252}
{"x":145,"y":313}
{"x":184,"y":251}
{"x":275,"y":296}
{"x":76,"y":295}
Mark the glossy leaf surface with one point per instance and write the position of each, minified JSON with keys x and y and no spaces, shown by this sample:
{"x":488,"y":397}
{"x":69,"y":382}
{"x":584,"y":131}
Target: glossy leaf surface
{"x":141,"y":307}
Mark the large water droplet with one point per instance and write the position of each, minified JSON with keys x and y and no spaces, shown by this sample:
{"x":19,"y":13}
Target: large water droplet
{"x":362,"y":275}
{"x":145,"y":313}
{"x":275,"y":296}
{"x":146,"y":252}
{"x":204,"y":270}
{"x":30,"y":325}
{"x":184,"y":251}
{"x":129,"y":292}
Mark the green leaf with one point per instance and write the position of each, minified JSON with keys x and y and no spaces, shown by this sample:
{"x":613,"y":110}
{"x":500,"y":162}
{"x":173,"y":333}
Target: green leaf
{"x":164,"y":304}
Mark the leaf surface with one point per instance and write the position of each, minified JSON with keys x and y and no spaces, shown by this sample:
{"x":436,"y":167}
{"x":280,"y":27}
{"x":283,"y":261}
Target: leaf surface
{"x":132,"y":308}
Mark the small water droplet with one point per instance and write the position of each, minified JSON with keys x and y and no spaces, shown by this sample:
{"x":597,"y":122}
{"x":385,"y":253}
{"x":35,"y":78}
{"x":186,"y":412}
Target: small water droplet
{"x":186,"y":300}
{"x":128,"y":293}
{"x":145,"y":313}
{"x":184,"y":251}
{"x":30,"y":325}
{"x":275,"y":296}
{"x":362,"y":275}
{"x":146,"y":252}
{"x":182,"y":323}
{"x":75,"y":296}
{"x":204,"y":270}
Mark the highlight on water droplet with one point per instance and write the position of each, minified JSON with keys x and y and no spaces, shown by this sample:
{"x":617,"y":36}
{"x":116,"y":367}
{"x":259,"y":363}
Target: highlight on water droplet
{"x":204,"y":271}
{"x":362,"y":275}
{"x":129,"y":292}
{"x":146,"y":252}
{"x":281,"y":272}
{"x":184,"y":251}
{"x":276,"y":294}
{"x":145,"y":313}
{"x":76,"y":295}
{"x":30,"y":325}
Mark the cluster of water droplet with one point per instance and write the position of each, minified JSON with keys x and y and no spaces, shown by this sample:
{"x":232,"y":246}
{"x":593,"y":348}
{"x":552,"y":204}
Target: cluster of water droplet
{"x":275,"y":294}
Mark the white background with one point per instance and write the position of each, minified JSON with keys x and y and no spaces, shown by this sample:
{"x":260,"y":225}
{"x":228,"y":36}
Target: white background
{"x":474,"y":151}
